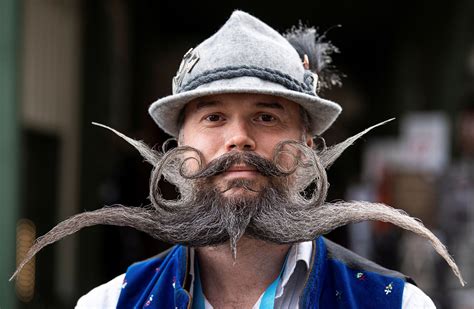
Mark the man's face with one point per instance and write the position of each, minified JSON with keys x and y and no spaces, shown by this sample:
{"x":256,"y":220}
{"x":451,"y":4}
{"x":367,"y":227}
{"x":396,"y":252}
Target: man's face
{"x":222,"y":123}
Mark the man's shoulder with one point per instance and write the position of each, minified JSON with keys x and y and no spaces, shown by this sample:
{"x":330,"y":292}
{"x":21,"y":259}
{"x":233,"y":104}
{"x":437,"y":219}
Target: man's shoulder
{"x":146,"y":269}
{"x":355,"y":261}
{"x":107,"y":294}
{"x":158,"y":258}
{"x":413,"y":297}
{"x":343,"y":278}
{"x":103,"y":296}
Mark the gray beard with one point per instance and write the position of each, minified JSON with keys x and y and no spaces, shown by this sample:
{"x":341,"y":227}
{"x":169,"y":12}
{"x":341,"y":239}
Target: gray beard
{"x":278,"y":212}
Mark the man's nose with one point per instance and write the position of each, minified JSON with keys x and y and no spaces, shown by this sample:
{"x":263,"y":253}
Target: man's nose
{"x":239,"y":137}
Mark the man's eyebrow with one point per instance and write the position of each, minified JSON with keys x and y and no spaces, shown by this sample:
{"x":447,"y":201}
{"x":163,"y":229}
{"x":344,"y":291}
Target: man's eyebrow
{"x":203,"y":104}
{"x":274,"y":105}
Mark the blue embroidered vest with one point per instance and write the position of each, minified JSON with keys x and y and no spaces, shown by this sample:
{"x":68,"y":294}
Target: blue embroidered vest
{"x":338,"y":278}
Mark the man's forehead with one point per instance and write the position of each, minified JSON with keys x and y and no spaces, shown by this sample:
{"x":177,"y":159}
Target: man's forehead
{"x":253,"y":100}
{"x":204,"y":104}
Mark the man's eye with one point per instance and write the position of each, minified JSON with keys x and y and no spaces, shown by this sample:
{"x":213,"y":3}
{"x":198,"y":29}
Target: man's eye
{"x":266,"y":118}
{"x":213,"y":118}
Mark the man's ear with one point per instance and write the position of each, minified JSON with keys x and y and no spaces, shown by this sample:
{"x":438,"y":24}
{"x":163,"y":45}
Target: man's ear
{"x":179,"y":140}
{"x":309,"y":140}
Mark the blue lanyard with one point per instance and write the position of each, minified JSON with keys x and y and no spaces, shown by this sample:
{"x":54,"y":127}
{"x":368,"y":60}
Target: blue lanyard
{"x":268,"y":298}
{"x":198,"y":295}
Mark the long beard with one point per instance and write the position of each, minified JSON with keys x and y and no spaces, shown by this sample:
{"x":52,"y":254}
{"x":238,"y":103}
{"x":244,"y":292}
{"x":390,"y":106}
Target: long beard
{"x":278,"y":212}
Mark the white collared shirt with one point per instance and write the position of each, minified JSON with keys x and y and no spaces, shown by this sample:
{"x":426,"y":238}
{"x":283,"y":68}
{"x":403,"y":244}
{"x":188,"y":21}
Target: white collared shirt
{"x":287,"y":295}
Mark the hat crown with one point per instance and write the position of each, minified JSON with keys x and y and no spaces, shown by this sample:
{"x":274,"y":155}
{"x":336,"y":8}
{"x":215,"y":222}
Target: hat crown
{"x":244,"y":56}
{"x":243,"y":41}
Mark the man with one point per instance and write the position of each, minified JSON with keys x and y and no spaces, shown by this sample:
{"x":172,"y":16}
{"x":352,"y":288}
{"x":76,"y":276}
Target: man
{"x":244,"y":110}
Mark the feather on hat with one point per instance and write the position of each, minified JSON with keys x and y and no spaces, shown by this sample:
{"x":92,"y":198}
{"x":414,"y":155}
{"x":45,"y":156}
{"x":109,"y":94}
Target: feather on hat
{"x":307,"y":41}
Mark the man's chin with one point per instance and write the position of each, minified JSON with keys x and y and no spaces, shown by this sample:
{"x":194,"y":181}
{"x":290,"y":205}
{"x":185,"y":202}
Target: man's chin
{"x":241,"y":187}
{"x":239,"y":193}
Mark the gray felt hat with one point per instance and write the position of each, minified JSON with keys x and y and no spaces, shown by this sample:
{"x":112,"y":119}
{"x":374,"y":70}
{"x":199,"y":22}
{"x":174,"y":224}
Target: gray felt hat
{"x":244,"y":56}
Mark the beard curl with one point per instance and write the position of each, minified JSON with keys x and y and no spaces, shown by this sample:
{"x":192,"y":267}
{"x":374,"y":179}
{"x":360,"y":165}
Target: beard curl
{"x":279,"y":212}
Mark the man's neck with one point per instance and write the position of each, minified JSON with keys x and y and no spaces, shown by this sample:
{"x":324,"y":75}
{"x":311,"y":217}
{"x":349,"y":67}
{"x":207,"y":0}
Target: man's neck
{"x":229,"y":283}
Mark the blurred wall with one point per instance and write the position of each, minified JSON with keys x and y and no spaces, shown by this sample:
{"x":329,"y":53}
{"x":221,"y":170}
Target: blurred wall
{"x":50,"y":111}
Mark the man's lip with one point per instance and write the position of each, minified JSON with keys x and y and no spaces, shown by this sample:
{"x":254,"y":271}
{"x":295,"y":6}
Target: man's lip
{"x":241,"y":173}
{"x":242,"y":169}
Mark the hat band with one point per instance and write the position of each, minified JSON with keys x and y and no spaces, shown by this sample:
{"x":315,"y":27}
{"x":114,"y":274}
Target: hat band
{"x":271,"y":75}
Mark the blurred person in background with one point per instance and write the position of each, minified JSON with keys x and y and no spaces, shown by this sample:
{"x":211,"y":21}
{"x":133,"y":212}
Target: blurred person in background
{"x":245,"y":111}
{"x":456,"y":206}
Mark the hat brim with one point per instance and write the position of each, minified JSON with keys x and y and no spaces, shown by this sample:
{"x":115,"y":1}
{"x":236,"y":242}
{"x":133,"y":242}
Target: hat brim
{"x":165,"y":111}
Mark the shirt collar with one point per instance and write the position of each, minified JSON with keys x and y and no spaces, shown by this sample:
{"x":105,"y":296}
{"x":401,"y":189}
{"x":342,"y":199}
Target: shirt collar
{"x":298,"y":252}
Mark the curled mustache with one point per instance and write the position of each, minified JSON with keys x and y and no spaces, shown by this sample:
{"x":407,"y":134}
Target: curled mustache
{"x":226,"y":161}
{"x":282,"y":215}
